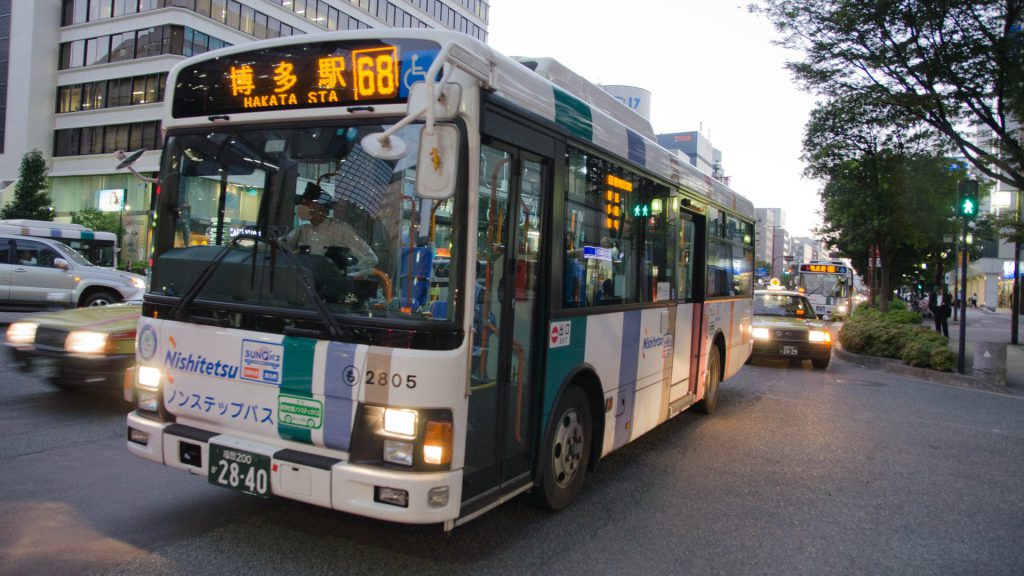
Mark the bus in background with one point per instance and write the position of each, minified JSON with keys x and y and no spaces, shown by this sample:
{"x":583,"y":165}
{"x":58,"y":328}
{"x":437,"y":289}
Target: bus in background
{"x":398,"y":274}
{"x":828,"y":286}
{"x":99,"y":248}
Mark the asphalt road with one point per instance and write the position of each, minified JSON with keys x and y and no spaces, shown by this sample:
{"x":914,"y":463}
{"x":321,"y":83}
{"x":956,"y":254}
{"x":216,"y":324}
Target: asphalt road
{"x":843,"y":471}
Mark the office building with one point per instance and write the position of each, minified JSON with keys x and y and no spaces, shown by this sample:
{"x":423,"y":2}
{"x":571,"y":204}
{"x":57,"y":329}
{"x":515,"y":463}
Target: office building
{"x":81,"y":79}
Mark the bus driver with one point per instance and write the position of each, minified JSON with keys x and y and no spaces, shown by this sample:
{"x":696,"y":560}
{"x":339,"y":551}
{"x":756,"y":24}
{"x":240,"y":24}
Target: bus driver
{"x":320,"y":232}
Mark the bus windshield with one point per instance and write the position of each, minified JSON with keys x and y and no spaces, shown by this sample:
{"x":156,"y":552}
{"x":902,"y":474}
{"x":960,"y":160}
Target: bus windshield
{"x":825,"y":285}
{"x":350,"y":222}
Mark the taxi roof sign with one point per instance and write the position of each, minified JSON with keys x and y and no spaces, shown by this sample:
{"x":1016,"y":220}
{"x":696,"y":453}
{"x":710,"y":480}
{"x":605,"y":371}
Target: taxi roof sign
{"x":774,"y":284}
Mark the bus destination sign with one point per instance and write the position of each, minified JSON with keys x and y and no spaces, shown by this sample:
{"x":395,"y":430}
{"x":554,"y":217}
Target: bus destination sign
{"x":316,"y":75}
{"x":823,"y":268}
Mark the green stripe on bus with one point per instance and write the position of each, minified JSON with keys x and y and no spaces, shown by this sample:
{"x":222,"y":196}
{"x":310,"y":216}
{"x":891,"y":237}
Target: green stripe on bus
{"x":562,"y":361}
{"x":297,"y":380}
{"x":573,"y":114}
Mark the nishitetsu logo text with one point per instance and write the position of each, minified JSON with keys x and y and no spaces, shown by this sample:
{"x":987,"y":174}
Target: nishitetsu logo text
{"x":198,"y":364}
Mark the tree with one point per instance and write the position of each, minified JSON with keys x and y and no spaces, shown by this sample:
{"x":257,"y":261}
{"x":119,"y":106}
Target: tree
{"x":96,"y":220}
{"x":887,"y":186}
{"x":30,"y":198}
{"x":955,"y":65}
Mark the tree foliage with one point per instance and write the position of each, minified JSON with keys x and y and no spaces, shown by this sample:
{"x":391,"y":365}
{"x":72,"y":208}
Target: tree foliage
{"x":30,"y":198}
{"x":97,"y":220}
{"x":954,"y":65}
{"x":887,"y":185}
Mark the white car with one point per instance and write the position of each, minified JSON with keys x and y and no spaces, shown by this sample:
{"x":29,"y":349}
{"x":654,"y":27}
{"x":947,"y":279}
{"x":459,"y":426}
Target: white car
{"x":44,"y":273}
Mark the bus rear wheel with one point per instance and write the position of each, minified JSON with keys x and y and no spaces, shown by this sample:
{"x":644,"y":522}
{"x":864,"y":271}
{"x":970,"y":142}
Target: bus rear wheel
{"x":710,"y":401}
{"x":566,"y":451}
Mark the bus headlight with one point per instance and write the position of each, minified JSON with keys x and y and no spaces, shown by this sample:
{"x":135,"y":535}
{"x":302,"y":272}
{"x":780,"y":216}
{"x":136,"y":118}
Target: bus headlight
{"x":86,"y":342}
{"x":398,"y":452}
{"x":149,"y":378}
{"x":401,"y":422}
{"x":820,"y":336}
{"x":22,"y":332}
{"x":760,"y":333}
{"x":148,"y":400}
{"x":841,"y":309}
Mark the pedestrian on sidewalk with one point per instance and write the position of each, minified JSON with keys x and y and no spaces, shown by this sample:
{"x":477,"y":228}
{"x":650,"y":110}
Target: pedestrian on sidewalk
{"x":945,"y":311}
{"x":933,"y":308}
{"x":974,"y":300}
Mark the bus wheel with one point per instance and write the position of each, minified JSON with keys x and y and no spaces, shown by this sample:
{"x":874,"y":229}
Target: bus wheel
{"x":566,"y":451}
{"x":710,"y":401}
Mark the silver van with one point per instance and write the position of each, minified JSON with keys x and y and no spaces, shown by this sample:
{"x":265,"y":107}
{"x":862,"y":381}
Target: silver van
{"x":44,"y":273}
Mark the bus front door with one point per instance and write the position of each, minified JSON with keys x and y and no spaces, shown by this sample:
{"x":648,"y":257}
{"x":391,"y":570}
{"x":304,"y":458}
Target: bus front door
{"x":498,"y":457}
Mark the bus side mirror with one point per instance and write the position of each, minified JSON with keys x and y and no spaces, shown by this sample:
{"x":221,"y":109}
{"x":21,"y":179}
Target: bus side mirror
{"x":438,"y":164}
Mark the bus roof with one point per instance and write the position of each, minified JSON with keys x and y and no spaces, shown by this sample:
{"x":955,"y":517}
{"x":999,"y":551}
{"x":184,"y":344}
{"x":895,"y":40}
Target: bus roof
{"x":43,"y":229}
{"x":538,"y":85}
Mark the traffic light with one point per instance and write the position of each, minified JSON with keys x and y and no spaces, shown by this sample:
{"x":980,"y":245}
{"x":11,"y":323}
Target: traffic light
{"x":967,"y":204}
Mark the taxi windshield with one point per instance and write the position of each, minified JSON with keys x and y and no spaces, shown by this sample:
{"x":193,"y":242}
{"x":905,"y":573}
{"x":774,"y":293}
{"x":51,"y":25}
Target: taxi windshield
{"x":784,"y":305}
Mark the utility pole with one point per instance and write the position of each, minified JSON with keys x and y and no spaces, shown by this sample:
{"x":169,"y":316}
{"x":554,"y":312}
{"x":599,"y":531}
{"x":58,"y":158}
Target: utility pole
{"x":1015,"y":301}
{"x":967,"y":209}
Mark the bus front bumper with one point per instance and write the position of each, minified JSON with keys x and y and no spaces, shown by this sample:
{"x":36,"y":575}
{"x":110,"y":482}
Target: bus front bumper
{"x":430,"y":497}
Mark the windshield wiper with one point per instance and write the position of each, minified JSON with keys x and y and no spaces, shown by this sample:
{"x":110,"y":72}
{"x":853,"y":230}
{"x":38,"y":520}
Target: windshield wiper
{"x":178,"y":311}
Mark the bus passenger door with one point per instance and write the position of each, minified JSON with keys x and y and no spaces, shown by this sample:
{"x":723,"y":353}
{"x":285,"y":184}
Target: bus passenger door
{"x":505,"y":308}
{"x":689,"y":315}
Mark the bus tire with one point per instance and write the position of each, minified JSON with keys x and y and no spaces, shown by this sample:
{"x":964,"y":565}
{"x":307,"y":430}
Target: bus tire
{"x":566,"y":451}
{"x":708,"y":404}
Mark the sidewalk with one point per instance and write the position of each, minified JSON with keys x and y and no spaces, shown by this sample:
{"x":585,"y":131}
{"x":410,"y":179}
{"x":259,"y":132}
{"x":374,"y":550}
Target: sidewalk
{"x":985,"y":325}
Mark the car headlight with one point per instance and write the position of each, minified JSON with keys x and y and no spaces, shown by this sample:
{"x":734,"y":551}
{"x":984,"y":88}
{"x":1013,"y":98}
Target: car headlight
{"x":138,"y":283}
{"x":820,"y":336}
{"x":760,"y":333}
{"x":149,"y":377}
{"x":86,"y":342}
{"x":22,"y":332}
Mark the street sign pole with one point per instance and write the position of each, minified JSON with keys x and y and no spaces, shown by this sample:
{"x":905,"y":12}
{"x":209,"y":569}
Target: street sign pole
{"x":963,"y":301}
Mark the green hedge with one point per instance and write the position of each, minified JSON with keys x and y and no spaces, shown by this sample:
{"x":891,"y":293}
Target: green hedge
{"x":896,"y":334}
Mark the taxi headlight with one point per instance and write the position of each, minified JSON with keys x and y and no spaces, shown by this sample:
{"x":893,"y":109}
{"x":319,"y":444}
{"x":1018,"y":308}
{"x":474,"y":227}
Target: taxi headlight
{"x":86,"y":342}
{"x":760,"y":333}
{"x":820,"y":336}
{"x":149,"y":377}
{"x":22,"y":332}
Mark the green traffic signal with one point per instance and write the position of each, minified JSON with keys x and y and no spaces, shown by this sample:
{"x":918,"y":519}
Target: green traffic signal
{"x":967,"y":206}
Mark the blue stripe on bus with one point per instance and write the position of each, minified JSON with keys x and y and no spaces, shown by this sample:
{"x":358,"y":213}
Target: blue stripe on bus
{"x":340,"y":380}
{"x":628,"y":365}
{"x":637,"y":147}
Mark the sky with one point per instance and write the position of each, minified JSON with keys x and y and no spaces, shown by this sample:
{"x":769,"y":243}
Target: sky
{"x":710,"y":66}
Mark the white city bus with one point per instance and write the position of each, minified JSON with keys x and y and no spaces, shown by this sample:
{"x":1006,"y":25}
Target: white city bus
{"x":828,"y":286}
{"x":520,"y":280}
{"x":99,"y":248}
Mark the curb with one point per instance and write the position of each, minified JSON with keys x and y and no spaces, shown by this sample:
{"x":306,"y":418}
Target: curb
{"x":900,"y":369}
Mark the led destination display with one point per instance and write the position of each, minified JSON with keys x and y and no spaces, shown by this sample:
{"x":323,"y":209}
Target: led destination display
{"x":315,"y":75}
